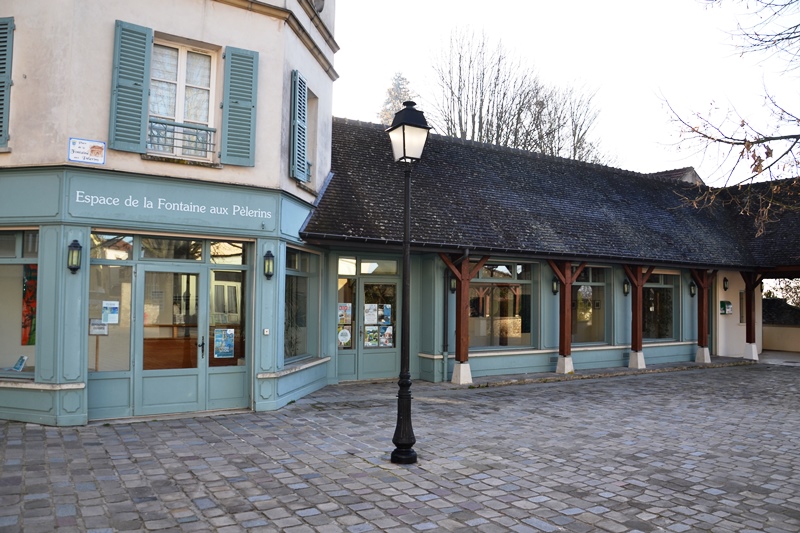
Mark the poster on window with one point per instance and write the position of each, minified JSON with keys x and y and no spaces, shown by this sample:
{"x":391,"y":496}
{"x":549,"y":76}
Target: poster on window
{"x":371,"y":336}
{"x":387,"y":337}
{"x":344,"y":337}
{"x":345,"y":313}
{"x":110,"y":312}
{"x":223,"y":343}
{"x":29,"y":281}
{"x":371,"y":314}
{"x":385,"y":314}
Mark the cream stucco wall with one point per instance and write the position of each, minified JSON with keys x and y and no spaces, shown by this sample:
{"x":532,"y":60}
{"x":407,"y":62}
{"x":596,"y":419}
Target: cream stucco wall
{"x":782,"y":338}
{"x":62,"y":71}
{"x":729,"y":332}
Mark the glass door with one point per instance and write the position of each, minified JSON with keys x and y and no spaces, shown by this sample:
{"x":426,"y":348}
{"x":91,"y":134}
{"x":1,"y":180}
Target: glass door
{"x":173,"y":341}
{"x":377,"y":340}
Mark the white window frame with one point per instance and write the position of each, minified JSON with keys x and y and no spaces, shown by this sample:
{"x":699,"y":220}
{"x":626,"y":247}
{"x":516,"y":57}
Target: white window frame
{"x":183,"y":53}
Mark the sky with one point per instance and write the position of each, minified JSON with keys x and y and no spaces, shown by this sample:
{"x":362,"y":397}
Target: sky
{"x":636,"y":55}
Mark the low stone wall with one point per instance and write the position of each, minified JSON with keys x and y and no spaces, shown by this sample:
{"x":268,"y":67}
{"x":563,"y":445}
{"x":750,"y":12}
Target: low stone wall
{"x":781,"y":338}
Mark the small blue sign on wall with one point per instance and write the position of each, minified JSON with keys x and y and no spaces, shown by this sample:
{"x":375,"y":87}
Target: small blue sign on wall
{"x":86,"y":151}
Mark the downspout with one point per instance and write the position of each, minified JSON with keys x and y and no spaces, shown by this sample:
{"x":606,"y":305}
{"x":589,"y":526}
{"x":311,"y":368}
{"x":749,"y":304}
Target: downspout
{"x":446,"y":322}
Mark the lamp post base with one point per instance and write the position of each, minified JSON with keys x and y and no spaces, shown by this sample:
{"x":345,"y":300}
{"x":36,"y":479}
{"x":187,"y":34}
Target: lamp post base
{"x":404,"y":457}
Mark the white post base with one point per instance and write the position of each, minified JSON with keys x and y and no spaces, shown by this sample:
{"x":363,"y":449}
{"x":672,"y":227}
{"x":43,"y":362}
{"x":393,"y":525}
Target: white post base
{"x":636,"y":360}
{"x":751,"y":352}
{"x":703,"y":355}
{"x":462,"y":375}
{"x":565,"y":365}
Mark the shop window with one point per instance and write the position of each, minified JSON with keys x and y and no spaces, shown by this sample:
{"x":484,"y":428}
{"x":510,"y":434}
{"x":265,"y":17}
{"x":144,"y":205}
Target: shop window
{"x":110,"y":287}
{"x":18,"y":303}
{"x":163,"y":99}
{"x":659,"y":312}
{"x":175,"y":249}
{"x":228,"y":253}
{"x":301,"y":304}
{"x":589,"y":307}
{"x":227,"y":318}
{"x":501,"y":306}
{"x":112,"y":247}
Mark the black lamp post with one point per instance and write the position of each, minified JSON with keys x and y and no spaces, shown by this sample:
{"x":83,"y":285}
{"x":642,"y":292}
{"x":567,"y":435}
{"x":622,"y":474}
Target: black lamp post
{"x":408,"y":134}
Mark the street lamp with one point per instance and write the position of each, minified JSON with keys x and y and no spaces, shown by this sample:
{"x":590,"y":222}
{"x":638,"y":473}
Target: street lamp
{"x":408,"y":134}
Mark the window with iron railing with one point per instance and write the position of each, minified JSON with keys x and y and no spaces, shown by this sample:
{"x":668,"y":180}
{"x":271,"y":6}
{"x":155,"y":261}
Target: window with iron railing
{"x":181,"y":92}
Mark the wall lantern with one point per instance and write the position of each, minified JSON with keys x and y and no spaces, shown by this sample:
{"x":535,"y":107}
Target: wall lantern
{"x":692,"y":289}
{"x":269,"y":264}
{"x":555,"y":285}
{"x":725,"y":283}
{"x":453,"y":282}
{"x":74,"y":256}
{"x":626,"y":287}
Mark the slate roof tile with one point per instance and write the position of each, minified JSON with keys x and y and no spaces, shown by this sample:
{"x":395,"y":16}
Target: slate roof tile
{"x":499,"y":200}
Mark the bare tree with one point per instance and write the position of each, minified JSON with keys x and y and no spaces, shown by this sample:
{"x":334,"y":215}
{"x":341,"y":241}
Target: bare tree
{"x":486,"y":95}
{"x":399,"y":92}
{"x":754,"y":149}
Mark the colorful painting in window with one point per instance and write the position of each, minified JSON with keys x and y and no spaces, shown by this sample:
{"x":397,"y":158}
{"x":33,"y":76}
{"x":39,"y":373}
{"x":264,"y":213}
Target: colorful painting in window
{"x":29,"y":276}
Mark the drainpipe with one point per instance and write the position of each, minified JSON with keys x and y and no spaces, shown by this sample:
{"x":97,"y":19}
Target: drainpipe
{"x":446,"y":322}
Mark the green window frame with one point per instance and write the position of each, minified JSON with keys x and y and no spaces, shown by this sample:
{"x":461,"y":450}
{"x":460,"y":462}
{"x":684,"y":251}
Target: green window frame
{"x":6,"y":54}
{"x":590,"y":311}
{"x":299,"y":167}
{"x":133,"y":48}
{"x":660,"y":308}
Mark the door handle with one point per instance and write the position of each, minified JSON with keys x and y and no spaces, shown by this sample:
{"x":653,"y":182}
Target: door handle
{"x":202,"y":347}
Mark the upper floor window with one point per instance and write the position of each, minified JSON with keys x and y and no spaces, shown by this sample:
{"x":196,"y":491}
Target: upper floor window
{"x":163,"y":96}
{"x":302,"y":145}
{"x":181,"y":92}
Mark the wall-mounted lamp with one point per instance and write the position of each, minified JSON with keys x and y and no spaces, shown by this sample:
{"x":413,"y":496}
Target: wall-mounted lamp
{"x":269,"y":264}
{"x":725,"y":283}
{"x":626,"y":287}
{"x":692,"y":289}
{"x":453,"y":282}
{"x":555,"y":285}
{"x":74,"y":256}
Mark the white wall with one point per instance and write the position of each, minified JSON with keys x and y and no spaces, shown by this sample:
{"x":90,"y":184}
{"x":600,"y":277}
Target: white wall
{"x":729,"y":333}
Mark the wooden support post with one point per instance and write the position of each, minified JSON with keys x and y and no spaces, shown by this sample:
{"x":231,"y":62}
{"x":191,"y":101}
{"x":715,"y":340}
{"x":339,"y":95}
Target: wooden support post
{"x":751,"y":282}
{"x":566,"y":277}
{"x":638,"y":278}
{"x":703,"y":279}
{"x":463,"y":271}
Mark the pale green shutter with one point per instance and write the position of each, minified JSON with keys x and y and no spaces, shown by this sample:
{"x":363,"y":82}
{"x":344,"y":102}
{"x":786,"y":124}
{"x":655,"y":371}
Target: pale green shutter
{"x":239,"y":108}
{"x":298,"y":144}
{"x":6,"y":50}
{"x":130,"y":88}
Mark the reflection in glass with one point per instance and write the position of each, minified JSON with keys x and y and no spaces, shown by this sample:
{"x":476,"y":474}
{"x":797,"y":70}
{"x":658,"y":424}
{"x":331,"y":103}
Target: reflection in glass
{"x":109,"y":318}
{"x":166,"y":248}
{"x":227,"y":318}
{"x":228,"y":253}
{"x":15,"y":309}
{"x":379,"y":267}
{"x":170,"y":320}
{"x":114,"y":247}
{"x":347,"y":266}
{"x":296,"y":316}
{"x":499,"y":314}
{"x":588,"y":313}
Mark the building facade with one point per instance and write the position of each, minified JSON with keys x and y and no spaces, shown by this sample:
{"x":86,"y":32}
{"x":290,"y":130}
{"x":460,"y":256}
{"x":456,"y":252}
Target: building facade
{"x":172,"y":149}
{"x":184,"y":228}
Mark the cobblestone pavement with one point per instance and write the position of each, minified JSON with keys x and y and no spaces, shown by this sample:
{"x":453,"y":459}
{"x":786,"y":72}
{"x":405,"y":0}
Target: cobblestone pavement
{"x":695,"y":450}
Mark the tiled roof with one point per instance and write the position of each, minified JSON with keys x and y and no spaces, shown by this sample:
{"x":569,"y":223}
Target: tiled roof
{"x":499,"y":200}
